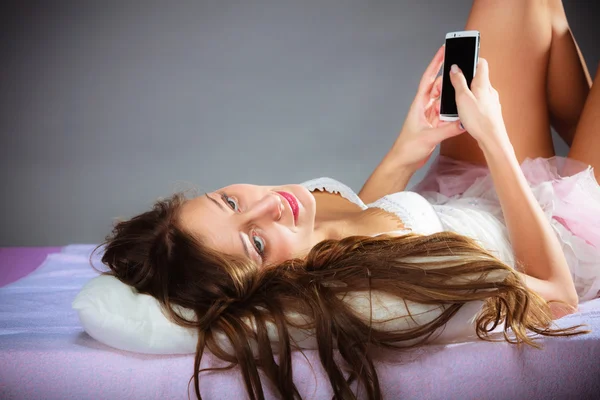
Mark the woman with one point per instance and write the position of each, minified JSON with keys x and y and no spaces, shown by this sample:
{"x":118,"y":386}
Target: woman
{"x":299,"y":257}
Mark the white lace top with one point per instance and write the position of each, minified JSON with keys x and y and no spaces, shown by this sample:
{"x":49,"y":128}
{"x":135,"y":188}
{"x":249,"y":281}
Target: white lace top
{"x":416,"y":213}
{"x":479,"y":217}
{"x":389,"y":312}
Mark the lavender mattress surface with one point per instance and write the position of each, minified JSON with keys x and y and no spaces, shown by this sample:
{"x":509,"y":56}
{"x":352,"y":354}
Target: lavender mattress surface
{"x":45,"y":354}
{"x":17,"y":262}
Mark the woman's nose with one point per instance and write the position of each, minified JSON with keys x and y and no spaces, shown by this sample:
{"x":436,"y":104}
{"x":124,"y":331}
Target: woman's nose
{"x":269,"y":208}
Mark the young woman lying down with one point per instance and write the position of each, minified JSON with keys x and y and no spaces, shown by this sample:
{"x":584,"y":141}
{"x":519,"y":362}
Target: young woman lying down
{"x":498,"y":222}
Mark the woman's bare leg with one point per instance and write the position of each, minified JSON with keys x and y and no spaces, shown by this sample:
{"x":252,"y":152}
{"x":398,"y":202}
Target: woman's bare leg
{"x":517,"y":40}
{"x":568,"y":82}
{"x":586,"y":141}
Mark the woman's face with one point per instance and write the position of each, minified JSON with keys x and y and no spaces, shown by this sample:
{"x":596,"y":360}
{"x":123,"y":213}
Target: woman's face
{"x":268,"y":224}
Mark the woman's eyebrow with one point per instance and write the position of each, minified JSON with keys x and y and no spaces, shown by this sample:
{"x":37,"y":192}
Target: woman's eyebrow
{"x":215,"y":201}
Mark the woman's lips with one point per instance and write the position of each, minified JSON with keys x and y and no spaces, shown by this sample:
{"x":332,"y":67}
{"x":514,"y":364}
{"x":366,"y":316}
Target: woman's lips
{"x":291,"y":199}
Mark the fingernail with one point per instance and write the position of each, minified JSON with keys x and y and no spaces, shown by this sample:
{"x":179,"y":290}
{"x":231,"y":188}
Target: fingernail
{"x":454,"y":68}
{"x":461,"y":126}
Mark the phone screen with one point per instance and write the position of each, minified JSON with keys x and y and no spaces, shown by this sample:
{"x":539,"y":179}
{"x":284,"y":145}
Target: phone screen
{"x":462,"y":52}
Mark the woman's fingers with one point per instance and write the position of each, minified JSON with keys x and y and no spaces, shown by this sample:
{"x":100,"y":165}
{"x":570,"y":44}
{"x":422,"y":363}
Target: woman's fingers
{"x":481,"y":80}
{"x":444,"y":131}
{"x":435,"y":113}
{"x":459,"y":82}
{"x":431,"y":72}
{"x":432,"y":113}
{"x":436,"y":91}
{"x":432,"y":110}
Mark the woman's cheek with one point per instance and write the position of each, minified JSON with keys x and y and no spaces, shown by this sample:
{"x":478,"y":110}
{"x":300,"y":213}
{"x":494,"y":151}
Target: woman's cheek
{"x":286,"y":246}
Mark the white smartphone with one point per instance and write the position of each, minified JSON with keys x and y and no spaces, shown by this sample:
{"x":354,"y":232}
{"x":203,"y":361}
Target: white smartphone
{"x":462,"y":49}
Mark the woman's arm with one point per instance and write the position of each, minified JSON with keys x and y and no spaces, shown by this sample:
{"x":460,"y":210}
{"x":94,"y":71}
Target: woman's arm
{"x":390,"y":176}
{"x":536,"y":247}
{"x":420,"y":134}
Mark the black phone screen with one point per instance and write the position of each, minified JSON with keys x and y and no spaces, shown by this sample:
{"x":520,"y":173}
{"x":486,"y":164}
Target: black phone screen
{"x":462,"y":52}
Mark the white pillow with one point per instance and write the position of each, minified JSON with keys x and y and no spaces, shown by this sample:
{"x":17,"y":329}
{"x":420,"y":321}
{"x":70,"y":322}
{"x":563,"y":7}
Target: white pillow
{"x":117,"y":315}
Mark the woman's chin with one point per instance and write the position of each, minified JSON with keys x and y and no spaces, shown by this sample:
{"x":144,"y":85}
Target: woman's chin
{"x":307,"y":206}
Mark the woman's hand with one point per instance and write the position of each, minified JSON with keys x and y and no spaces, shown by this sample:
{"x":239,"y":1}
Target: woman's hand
{"x":479,"y":108}
{"x":421,"y":133}
{"x":423,"y":130}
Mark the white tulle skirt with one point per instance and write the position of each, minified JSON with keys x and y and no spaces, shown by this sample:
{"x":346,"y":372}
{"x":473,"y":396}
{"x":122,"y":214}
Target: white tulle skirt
{"x":463,"y":194}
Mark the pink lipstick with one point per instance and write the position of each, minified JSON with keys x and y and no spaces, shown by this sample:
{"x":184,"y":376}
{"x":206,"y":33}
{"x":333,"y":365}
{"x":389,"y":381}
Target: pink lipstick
{"x":291,"y":199}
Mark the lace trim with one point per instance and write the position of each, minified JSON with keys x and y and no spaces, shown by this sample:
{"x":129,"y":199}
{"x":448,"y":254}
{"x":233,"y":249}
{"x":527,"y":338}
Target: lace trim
{"x":415,"y":213}
{"x":334,"y":187}
{"x":393,"y":207}
{"x":414,"y":210}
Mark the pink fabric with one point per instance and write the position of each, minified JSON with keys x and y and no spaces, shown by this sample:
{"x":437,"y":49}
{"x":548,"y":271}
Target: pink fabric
{"x":576,"y":194}
{"x":17,"y":262}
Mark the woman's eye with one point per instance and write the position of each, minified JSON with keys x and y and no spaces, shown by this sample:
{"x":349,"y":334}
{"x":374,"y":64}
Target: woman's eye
{"x":232,"y":202}
{"x":259,"y":244}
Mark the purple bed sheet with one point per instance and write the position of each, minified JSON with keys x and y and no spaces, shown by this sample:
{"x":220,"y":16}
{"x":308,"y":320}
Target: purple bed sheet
{"x":44,"y":353}
{"x":17,"y":262}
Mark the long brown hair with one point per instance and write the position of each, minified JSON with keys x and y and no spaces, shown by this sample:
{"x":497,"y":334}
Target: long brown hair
{"x":153,"y":254}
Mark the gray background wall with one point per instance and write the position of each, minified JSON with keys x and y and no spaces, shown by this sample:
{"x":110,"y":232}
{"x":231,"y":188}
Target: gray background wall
{"x":107,"y":105}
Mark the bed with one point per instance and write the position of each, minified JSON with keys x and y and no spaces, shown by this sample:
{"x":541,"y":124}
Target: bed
{"x":45,"y":354}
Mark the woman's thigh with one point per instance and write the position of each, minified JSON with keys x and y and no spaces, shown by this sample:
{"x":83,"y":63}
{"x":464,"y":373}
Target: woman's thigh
{"x":586,"y":142}
{"x":516,"y":36}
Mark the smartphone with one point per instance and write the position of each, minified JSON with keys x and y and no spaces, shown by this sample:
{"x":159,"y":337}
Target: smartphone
{"x":462,"y":49}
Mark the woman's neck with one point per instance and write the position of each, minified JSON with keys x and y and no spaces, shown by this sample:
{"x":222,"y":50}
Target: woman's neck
{"x":338,"y":218}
